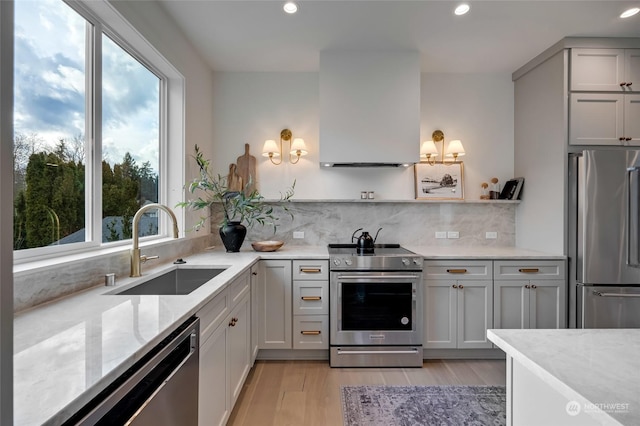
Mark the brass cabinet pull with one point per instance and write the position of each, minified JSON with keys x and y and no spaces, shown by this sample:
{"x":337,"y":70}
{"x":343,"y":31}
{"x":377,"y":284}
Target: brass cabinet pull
{"x":460,"y":286}
{"x":529,"y":270}
{"x":311,"y":298}
{"x":533,"y":286}
{"x":527,"y":286}
{"x":457,"y":271}
{"x":455,"y":286}
{"x":233,"y":322}
{"x":310,"y":333}
{"x":624,"y":83}
{"x":310,"y":270}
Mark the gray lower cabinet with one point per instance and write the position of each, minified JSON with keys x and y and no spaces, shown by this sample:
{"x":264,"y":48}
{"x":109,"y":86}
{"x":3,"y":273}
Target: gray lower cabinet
{"x":292,"y":304}
{"x":225,"y":359}
{"x":529,"y":294}
{"x":458,"y":301}
{"x":274,"y":304}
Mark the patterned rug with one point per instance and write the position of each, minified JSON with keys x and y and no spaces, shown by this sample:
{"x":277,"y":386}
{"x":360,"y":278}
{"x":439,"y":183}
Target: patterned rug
{"x":423,"y":405}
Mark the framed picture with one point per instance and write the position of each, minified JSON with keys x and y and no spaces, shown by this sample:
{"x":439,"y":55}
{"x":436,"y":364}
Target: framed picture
{"x":439,"y":181}
{"x":512,"y":188}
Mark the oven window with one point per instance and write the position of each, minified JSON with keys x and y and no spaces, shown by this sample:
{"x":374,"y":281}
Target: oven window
{"x":377,"y":306}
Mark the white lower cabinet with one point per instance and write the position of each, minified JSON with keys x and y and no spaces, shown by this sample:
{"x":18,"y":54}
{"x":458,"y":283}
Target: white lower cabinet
{"x":458,"y":304}
{"x":529,"y":294}
{"x":225,"y":351}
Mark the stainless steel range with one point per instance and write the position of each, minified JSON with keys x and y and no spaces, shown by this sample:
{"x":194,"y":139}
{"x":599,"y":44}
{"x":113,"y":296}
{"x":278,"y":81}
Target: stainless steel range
{"x":375,"y":306}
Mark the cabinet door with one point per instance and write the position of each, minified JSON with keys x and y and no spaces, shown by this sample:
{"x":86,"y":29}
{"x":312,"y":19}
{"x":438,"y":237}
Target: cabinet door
{"x":475,"y":313}
{"x":632,"y":69}
{"x":254,"y":312}
{"x":440,"y":307}
{"x":511,"y":304}
{"x":596,"y":119}
{"x":311,"y":332}
{"x":597,"y":69}
{"x":238,"y":352}
{"x":213,"y":381}
{"x":547,"y":304}
{"x":632,"y":118}
{"x":310,"y":298}
{"x":274,"y":309}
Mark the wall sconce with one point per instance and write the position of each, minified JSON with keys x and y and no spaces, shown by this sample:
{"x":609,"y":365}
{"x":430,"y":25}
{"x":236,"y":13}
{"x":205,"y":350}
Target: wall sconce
{"x":428,"y":150}
{"x":297,"y":148}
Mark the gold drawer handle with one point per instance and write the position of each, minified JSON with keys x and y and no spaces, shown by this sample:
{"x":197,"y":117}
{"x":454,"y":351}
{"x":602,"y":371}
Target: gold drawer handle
{"x":310,"y":333}
{"x":311,"y":298}
{"x":529,"y":270}
{"x":457,"y":271}
{"x":310,"y":270}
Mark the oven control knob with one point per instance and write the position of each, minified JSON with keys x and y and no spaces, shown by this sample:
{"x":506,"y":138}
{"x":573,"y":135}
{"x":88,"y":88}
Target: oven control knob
{"x":417,"y":262}
{"x":336,"y":261}
{"x":348,"y":262}
{"x":405,"y":261}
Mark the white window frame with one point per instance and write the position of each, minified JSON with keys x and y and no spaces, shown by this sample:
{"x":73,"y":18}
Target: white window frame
{"x":171,"y":168}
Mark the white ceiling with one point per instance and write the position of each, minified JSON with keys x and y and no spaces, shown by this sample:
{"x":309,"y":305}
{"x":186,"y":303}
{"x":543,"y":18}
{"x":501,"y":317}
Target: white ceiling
{"x":495,"y":36}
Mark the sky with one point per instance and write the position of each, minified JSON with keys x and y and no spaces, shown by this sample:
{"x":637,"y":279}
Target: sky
{"x":50,"y":85}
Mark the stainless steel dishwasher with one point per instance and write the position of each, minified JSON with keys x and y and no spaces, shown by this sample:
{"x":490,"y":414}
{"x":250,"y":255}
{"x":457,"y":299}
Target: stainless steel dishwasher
{"x":160,"y":390}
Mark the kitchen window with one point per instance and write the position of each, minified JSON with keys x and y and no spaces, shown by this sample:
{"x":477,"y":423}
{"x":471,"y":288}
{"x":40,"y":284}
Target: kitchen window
{"x":93,"y":114}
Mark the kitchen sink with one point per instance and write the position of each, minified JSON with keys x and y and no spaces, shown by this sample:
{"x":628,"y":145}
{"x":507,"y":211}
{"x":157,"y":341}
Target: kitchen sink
{"x":177,"y":281}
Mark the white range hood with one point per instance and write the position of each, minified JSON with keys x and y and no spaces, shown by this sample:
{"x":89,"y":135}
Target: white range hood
{"x":369,"y":108}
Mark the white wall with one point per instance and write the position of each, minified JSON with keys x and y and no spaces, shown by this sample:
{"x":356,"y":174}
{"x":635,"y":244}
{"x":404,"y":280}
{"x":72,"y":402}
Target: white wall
{"x":252,"y":107}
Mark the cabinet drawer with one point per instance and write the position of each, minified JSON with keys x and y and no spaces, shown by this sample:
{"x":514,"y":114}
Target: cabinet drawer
{"x":239,"y":287}
{"x":311,"y":332}
{"x":458,"y":270}
{"x":310,"y":270}
{"x":212,"y":314}
{"x":529,"y":269}
{"x":310,"y":297}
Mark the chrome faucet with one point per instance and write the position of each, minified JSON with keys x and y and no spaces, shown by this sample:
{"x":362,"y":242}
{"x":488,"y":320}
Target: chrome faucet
{"x":136,"y":258}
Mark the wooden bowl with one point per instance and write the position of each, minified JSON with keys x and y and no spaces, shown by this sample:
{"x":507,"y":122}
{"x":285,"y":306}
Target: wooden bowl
{"x":267,"y":245}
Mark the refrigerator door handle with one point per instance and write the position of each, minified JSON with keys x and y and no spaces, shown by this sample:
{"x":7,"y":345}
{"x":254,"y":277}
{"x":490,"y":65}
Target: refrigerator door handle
{"x":633,"y":252}
{"x":601,"y":294}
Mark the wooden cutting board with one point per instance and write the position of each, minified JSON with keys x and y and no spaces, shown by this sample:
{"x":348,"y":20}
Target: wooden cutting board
{"x":246,"y":168}
{"x":234,"y":180}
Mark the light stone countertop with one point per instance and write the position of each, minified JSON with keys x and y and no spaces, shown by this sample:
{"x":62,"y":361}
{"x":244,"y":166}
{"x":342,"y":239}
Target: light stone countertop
{"x":589,"y":366}
{"x":67,"y":351}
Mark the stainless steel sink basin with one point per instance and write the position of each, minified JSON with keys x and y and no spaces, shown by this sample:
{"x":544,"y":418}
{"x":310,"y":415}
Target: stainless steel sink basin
{"x":174,"y":282}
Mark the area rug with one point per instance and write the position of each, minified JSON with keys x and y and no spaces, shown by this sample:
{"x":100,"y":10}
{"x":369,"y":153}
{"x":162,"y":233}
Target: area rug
{"x":423,"y":405}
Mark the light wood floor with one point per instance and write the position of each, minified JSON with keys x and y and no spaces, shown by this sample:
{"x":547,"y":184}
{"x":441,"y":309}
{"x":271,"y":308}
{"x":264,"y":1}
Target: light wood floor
{"x":307,"y":393}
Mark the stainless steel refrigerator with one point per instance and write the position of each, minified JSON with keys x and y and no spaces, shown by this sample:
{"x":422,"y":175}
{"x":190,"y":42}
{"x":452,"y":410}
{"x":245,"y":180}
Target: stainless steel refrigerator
{"x":605,"y":205}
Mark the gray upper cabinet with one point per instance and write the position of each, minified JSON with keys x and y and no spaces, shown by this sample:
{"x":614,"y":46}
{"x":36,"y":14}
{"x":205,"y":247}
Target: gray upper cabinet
{"x":604,"y":103}
{"x":608,"y":70}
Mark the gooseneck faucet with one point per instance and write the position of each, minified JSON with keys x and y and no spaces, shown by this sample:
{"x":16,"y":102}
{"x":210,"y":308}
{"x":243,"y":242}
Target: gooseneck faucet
{"x":136,"y":258}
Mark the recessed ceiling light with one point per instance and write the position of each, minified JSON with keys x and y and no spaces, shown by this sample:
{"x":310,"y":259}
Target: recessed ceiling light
{"x":462,"y":9}
{"x":630,"y":12}
{"x":290,"y":7}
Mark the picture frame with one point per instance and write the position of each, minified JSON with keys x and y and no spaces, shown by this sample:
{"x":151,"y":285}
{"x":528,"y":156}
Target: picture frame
{"x":512,"y":189}
{"x":439,"y":181}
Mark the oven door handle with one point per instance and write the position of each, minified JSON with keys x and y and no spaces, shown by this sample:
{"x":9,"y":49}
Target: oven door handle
{"x":378,"y":277}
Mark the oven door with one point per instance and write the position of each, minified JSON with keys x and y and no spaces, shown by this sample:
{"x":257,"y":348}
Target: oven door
{"x":376,"y":308}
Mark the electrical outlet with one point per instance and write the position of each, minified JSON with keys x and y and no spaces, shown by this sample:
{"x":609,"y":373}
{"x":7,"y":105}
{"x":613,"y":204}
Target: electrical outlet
{"x":441,"y":234}
{"x":298,"y":235}
{"x":491,"y":235}
{"x":453,"y":234}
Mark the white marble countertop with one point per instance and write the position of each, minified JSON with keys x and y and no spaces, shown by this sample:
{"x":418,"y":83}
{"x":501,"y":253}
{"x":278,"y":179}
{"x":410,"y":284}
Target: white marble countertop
{"x":68,"y":350}
{"x":589,"y":366}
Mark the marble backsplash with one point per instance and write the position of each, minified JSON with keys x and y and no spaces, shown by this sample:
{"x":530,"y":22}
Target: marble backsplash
{"x":38,"y":285}
{"x":408,"y":223}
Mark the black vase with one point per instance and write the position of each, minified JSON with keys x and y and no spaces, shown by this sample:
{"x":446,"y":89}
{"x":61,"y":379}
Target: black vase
{"x":232,"y":235}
